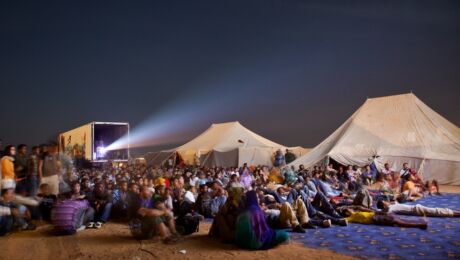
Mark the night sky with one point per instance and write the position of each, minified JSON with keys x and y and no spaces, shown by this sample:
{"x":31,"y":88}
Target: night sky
{"x":292,"y":71}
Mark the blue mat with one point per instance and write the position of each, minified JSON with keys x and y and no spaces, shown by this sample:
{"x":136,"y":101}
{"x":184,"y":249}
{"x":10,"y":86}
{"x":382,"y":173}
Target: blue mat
{"x":440,"y":241}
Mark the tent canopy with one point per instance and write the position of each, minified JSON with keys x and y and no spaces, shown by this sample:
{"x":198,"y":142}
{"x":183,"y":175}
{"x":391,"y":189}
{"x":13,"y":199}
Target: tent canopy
{"x":226,"y":144}
{"x":398,"y":129}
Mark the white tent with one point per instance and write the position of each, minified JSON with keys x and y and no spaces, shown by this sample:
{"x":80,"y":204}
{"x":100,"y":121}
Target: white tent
{"x":227,"y":144}
{"x":399,"y":129}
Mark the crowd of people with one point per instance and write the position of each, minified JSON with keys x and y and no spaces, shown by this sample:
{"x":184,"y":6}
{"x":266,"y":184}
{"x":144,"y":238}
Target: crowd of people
{"x":251,"y":206}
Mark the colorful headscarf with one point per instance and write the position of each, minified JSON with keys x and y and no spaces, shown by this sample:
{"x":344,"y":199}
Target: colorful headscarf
{"x":263,"y":233}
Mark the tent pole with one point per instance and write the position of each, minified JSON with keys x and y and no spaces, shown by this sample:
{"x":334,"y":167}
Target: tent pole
{"x":205,"y":160}
{"x":175,"y":159}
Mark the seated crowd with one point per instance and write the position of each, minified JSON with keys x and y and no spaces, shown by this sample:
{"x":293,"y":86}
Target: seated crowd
{"x":250,"y":206}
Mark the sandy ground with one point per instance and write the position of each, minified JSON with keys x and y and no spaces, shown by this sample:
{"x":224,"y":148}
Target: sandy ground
{"x":114,"y":241}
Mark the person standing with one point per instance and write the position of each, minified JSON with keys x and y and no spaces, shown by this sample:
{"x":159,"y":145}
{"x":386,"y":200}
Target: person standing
{"x":290,"y":156}
{"x":32,"y":176}
{"x":279,"y":159}
{"x":7,"y":167}
{"x":21,"y":169}
{"x":49,"y":169}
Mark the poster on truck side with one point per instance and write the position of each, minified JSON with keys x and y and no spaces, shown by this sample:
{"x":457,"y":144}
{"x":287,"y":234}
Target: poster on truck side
{"x":76,"y":143}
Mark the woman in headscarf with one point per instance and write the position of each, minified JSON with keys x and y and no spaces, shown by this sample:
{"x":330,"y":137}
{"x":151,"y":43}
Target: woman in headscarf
{"x":289,"y":175}
{"x":252,"y":230}
{"x":224,"y":223}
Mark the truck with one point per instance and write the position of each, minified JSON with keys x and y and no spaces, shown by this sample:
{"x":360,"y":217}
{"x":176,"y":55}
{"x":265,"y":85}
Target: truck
{"x":89,"y":142}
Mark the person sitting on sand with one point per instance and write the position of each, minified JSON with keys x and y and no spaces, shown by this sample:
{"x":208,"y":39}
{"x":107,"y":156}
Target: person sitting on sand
{"x":252,"y":230}
{"x":101,"y":202}
{"x":7,"y":212}
{"x":13,"y":215}
{"x":155,"y":219}
{"x":209,"y":201}
{"x":121,"y":198}
{"x":224,"y":224}
{"x":86,"y":188}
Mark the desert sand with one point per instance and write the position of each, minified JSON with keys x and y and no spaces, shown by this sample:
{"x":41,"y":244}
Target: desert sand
{"x":114,"y":241}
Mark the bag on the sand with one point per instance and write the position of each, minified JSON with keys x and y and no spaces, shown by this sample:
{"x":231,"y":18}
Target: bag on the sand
{"x":67,"y":216}
{"x":187,"y":224}
{"x":363,"y":198}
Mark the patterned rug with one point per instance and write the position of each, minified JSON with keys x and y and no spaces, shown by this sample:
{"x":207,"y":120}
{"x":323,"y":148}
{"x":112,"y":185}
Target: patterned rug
{"x":440,"y":241}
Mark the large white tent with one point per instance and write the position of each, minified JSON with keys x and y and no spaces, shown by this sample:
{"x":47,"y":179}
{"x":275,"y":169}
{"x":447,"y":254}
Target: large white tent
{"x":226,"y":144}
{"x":398,"y":129}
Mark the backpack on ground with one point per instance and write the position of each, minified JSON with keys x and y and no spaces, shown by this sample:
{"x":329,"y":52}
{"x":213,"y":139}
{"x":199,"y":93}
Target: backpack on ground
{"x":188,"y":224}
{"x":67,"y":216}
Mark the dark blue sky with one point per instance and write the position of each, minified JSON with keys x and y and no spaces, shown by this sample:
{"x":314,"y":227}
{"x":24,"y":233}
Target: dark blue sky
{"x":290,"y":70}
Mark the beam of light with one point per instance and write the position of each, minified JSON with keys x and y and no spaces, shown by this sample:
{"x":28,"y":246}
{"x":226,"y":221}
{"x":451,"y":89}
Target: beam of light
{"x":171,"y":123}
{"x":220,"y":98}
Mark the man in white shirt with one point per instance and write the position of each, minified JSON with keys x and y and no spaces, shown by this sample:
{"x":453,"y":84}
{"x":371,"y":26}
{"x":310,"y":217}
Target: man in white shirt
{"x":405,"y":170}
{"x":416,"y":210}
